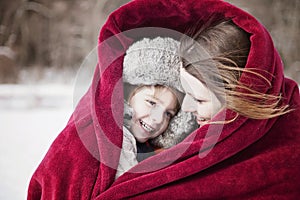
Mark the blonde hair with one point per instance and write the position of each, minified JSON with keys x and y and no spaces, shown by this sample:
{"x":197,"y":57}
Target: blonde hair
{"x":228,"y":47}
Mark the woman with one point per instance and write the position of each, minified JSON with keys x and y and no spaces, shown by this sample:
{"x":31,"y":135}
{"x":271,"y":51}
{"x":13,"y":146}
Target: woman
{"x":247,"y":159}
{"x":214,"y":60}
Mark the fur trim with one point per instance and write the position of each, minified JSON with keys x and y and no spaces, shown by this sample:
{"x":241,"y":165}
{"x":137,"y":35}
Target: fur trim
{"x":153,"y":61}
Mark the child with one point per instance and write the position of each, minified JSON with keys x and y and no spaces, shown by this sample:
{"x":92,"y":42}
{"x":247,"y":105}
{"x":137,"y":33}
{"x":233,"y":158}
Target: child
{"x":149,"y":108}
{"x":152,"y":108}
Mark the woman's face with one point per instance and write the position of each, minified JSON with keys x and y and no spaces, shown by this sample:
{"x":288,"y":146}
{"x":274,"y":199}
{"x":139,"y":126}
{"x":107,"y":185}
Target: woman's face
{"x":198,"y":100}
{"x":153,"y":108}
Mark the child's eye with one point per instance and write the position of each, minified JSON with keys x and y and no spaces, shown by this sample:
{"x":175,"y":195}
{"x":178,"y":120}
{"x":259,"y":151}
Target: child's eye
{"x":152,"y":103}
{"x":169,"y":115}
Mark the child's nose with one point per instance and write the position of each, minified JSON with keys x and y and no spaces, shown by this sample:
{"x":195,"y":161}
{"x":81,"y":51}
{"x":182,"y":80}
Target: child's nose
{"x":157,"y":115}
{"x":188,"y":104}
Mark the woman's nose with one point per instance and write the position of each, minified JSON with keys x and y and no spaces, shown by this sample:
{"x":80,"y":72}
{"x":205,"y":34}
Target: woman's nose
{"x":188,"y":104}
{"x":157,"y":115}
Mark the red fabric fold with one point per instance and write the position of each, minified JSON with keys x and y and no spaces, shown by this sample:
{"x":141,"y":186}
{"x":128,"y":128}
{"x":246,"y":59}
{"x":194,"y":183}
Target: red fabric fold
{"x":252,"y":159}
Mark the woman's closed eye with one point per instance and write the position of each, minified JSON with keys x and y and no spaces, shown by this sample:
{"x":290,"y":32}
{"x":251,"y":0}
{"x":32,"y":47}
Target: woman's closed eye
{"x":198,"y":100}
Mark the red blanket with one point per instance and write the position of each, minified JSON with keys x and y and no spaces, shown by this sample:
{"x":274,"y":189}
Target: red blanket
{"x":252,"y":159}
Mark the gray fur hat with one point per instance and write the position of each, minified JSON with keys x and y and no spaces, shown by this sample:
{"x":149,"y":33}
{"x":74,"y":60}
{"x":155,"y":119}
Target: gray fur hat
{"x":155,"y":61}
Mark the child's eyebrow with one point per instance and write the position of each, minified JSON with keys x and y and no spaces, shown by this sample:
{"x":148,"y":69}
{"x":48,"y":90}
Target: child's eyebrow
{"x":155,"y":98}
{"x":171,"y":110}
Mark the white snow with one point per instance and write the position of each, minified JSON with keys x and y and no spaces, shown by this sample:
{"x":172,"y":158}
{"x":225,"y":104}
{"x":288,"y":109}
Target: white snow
{"x":30,"y":119}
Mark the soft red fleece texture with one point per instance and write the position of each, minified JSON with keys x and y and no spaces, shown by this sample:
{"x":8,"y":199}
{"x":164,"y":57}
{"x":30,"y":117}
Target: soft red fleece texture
{"x":253,"y":159}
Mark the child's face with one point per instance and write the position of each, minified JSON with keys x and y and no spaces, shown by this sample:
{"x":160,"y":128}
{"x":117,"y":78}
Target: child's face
{"x":198,"y":100}
{"x":153,"y":108}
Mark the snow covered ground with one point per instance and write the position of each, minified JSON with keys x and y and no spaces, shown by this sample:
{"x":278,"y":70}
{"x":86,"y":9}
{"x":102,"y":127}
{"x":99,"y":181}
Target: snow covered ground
{"x":30,"y":119}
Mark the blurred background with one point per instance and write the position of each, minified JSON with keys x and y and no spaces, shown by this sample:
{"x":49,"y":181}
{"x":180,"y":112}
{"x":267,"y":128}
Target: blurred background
{"x":42,"y":46}
{"x":39,"y":36}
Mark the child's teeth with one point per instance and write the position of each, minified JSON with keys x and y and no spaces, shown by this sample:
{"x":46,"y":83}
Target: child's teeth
{"x":146,"y":126}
